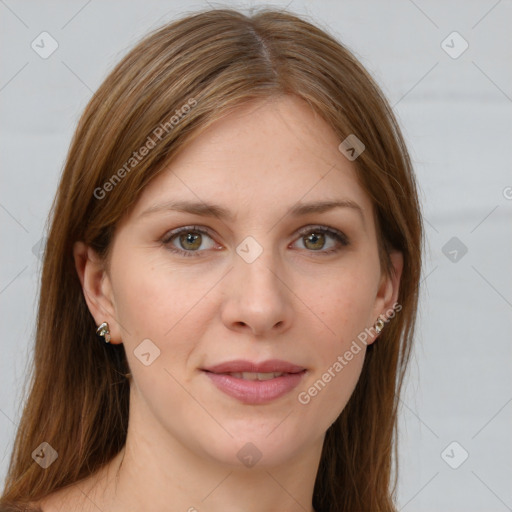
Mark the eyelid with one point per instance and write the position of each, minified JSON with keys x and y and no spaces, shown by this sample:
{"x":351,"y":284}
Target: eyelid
{"x":203,"y":230}
{"x":183,"y":229}
{"x":338,"y":235}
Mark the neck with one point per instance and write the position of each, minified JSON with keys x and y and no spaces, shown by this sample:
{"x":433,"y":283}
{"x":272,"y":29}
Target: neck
{"x":154,"y":467}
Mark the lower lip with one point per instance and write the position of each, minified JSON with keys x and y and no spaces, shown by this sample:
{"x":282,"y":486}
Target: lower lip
{"x":256,"y":391}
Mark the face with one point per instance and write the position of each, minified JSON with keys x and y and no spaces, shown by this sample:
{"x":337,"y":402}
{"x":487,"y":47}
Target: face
{"x":257,"y":244}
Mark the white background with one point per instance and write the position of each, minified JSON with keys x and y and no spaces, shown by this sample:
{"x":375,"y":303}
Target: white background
{"x":456,"y":116}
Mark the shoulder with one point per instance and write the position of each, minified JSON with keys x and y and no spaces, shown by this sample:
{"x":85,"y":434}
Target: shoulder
{"x":62,"y":500}
{"x":75,"y":497}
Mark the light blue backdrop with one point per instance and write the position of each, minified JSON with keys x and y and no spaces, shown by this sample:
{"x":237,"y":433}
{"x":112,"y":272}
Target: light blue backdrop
{"x":455,"y":106}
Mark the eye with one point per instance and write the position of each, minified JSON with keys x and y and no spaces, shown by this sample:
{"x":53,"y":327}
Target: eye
{"x":322,"y":239}
{"x":193,"y":240}
{"x":189,"y":240}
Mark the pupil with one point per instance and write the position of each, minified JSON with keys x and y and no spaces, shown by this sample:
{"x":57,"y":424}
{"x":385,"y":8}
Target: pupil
{"x":191,"y":241}
{"x":315,"y":241}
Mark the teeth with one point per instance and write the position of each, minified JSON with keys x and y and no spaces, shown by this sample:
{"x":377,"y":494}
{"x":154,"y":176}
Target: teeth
{"x":255,"y":376}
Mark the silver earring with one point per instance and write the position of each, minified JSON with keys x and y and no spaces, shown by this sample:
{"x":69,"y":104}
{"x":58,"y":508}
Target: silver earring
{"x":103,"y":331}
{"x":379,"y":325}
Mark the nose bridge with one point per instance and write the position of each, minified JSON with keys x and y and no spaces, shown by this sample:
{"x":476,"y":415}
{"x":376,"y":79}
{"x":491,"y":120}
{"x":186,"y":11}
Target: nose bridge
{"x":258,"y":268}
{"x":258,"y":297}
{"x":260,"y":277}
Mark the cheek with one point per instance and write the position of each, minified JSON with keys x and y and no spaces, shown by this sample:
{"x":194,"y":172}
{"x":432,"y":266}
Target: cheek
{"x":345,"y":305}
{"x":345,"y":302}
{"x":326,"y":393}
{"x":164,"y":305}
{"x":153,"y":296}
{"x":163,"y":315}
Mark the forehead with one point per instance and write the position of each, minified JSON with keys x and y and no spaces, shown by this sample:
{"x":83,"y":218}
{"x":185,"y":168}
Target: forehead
{"x":263,"y":155}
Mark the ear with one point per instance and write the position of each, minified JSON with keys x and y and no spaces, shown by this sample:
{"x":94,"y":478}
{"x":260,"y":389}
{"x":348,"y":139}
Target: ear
{"x":96,"y":287}
{"x":387,"y":294}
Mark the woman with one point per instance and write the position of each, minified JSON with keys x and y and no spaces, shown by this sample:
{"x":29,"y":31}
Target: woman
{"x":230,"y":283}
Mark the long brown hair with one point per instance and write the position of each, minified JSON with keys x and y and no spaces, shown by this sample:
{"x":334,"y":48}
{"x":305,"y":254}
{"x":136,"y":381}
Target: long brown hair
{"x":216,"y":60}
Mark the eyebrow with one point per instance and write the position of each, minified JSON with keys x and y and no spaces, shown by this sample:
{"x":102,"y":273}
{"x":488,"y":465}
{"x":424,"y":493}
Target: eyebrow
{"x":213,"y":210}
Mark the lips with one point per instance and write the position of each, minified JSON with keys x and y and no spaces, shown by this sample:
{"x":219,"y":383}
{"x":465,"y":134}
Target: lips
{"x":255,"y":376}
{"x":255,"y":383}
{"x":270,"y":366}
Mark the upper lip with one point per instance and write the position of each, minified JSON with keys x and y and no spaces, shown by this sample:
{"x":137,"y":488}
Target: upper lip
{"x":239,"y":365}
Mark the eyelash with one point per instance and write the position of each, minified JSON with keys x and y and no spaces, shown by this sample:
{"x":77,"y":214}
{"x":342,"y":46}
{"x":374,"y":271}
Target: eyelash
{"x":337,"y":235}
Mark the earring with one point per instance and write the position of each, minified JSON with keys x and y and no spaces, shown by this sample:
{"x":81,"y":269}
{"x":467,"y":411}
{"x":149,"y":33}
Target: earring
{"x":379,"y":325}
{"x":103,"y":331}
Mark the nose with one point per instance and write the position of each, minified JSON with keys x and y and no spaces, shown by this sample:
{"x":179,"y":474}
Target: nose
{"x":257,"y":299}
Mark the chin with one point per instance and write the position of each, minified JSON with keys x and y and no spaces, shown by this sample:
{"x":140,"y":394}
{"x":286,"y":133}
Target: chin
{"x":262,"y":445}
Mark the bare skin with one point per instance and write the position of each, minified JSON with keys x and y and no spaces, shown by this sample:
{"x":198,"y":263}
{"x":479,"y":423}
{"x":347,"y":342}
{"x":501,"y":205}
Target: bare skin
{"x":304,"y":300}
